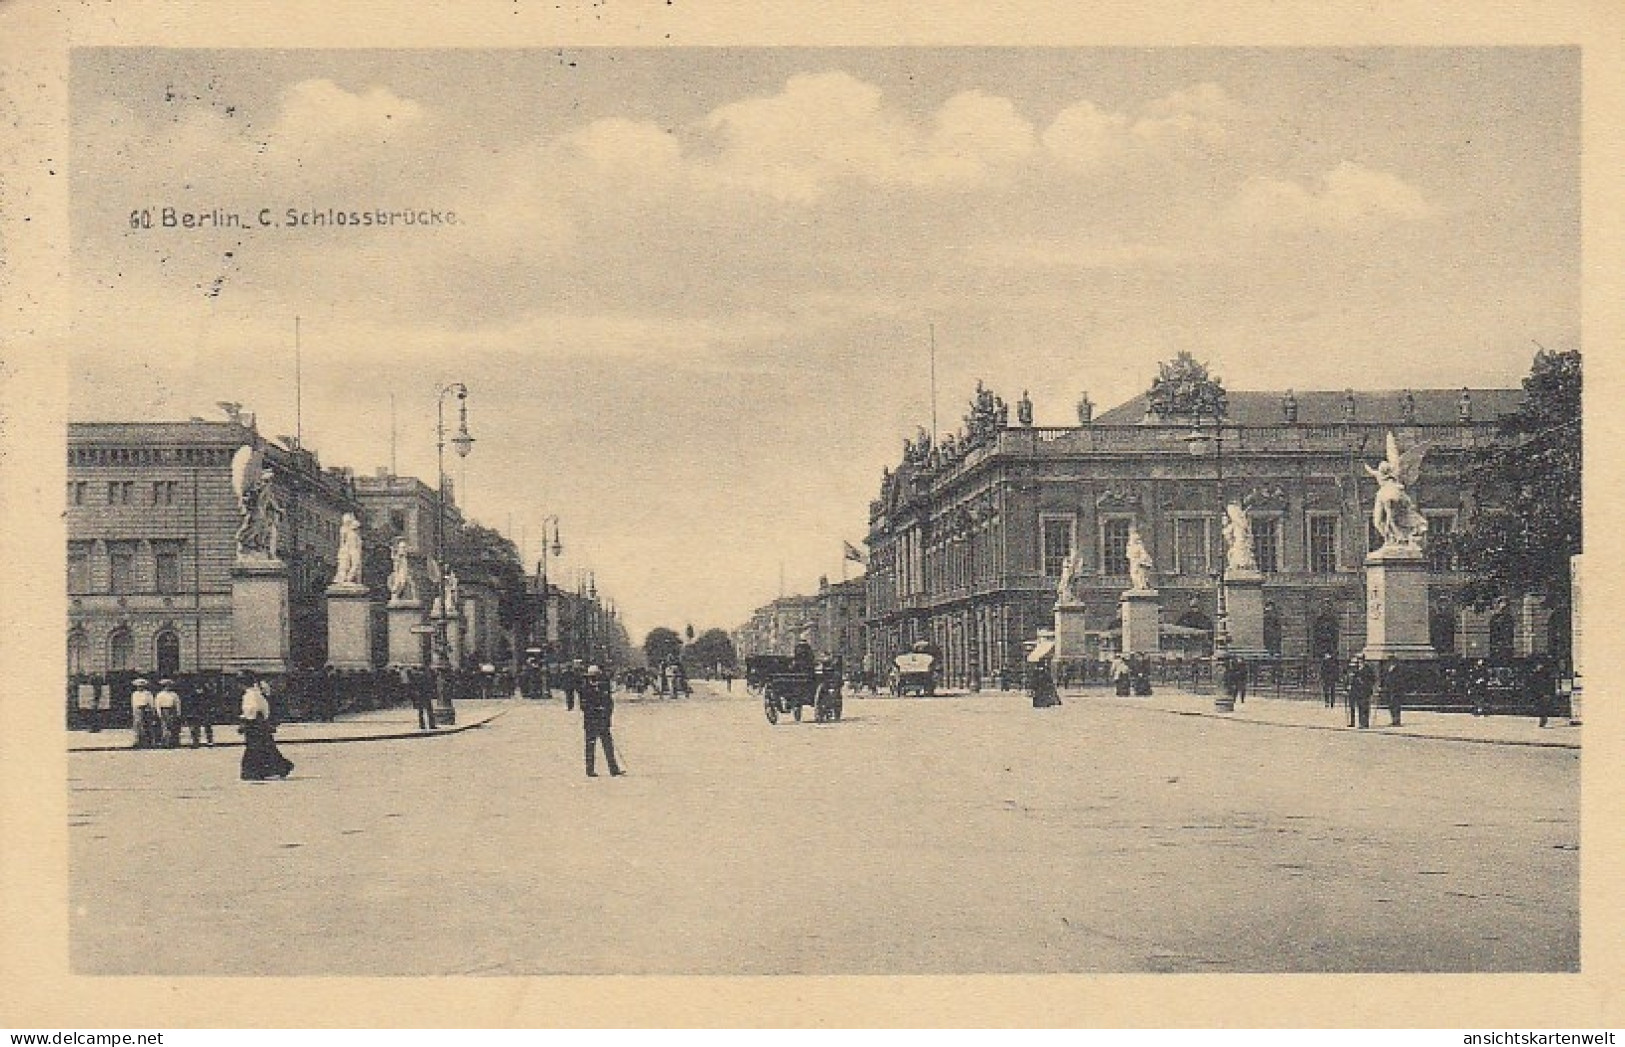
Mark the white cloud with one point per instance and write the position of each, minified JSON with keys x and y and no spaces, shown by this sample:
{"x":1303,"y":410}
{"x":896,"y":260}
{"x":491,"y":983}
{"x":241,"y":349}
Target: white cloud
{"x":1084,"y":134}
{"x":1204,"y":111}
{"x":1350,"y":197}
{"x":318,"y":111}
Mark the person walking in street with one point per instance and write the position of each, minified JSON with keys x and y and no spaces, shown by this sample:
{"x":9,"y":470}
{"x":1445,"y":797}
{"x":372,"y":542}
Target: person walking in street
{"x":168,"y":705}
{"x":1478,"y":687}
{"x":597,"y":709}
{"x":197,"y":714}
{"x":1361,"y":678}
{"x":1328,"y":679}
{"x":143,"y":717}
{"x":1391,"y":691}
{"x":1542,"y":687}
{"x":574,"y":680}
{"x":261,"y":758}
{"x":423,"y":700}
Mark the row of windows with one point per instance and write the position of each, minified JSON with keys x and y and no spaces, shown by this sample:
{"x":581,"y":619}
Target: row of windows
{"x":1193,"y":550}
{"x":121,"y":655}
{"x":124,"y":492}
{"x":114,"y":456}
{"x":123,"y":563}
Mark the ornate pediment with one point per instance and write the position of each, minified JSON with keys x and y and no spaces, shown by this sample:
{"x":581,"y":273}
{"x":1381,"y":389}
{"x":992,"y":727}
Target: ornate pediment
{"x":1265,"y":496}
{"x":1118,"y":498}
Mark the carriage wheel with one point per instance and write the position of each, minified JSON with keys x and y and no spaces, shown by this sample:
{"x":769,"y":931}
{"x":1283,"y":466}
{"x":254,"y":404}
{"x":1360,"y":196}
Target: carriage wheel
{"x":798,"y":712}
{"x":835,"y":709}
{"x":771,"y":707}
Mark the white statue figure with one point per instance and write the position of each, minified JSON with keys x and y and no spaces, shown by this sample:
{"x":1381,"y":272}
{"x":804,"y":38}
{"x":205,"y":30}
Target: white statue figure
{"x":454,"y":604}
{"x":1069,"y":574}
{"x":259,"y":533}
{"x":1139,"y":560}
{"x":1394,"y":514}
{"x":1238,"y":537}
{"x":349,"y":569}
{"x":401,"y":585}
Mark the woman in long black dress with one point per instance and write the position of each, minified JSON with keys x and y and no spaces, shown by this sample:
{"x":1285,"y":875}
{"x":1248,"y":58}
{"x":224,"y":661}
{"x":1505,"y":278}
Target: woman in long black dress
{"x":261,"y":758}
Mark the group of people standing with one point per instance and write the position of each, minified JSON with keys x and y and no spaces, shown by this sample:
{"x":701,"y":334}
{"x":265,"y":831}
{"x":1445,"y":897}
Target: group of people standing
{"x":156,"y":719}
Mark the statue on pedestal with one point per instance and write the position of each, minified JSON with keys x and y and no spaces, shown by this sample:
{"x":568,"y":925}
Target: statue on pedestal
{"x":259,"y":534}
{"x":1139,"y":560}
{"x":1238,"y":537}
{"x":402,"y":587}
{"x":1024,"y":409}
{"x":349,"y":555}
{"x":1069,"y":575}
{"x":454,"y":604}
{"x":1394,"y":514}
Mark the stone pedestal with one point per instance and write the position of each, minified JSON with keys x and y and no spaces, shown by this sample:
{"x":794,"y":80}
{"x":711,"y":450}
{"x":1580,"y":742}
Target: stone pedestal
{"x":1396,"y":606}
{"x":349,"y":627}
{"x":1142,"y":621}
{"x":406,"y":636}
{"x":1244,"y":613}
{"x":259,"y":616}
{"x":1071,"y":637}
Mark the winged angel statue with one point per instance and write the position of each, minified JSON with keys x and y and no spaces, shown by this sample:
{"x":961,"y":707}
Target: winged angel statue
{"x":260,"y":531}
{"x":1395,"y":515}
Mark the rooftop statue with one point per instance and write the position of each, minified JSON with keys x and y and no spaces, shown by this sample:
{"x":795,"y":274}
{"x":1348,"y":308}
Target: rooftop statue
{"x":1394,"y":514}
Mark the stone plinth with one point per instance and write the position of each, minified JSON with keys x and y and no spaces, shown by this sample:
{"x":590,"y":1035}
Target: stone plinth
{"x":259,"y":616}
{"x":406,"y":640}
{"x":349,"y":627}
{"x":1396,"y":605}
{"x":1071,"y":638}
{"x":1244,"y":613}
{"x":1142,"y":621}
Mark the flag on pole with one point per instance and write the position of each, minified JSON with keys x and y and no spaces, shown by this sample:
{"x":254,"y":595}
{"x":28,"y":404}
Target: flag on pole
{"x":853,"y":553}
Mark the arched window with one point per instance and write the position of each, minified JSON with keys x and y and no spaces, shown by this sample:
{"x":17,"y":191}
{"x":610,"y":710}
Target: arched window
{"x":1501,"y":634}
{"x":120,"y":650}
{"x":78,"y":653}
{"x":167,"y":653}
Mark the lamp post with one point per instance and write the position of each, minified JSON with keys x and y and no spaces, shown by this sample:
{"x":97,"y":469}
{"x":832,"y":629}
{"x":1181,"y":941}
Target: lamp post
{"x":555,"y":549}
{"x":1197,"y":442}
{"x":462,"y":442}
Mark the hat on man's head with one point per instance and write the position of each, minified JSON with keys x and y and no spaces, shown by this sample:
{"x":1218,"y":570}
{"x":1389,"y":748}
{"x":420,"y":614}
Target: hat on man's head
{"x":166,"y":683}
{"x":141,"y":681}
{"x":593,"y":670}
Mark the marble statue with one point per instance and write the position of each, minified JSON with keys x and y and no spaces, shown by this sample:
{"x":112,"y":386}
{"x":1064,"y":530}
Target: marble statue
{"x":349,"y":568}
{"x":454,"y":603}
{"x":1394,"y":514}
{"x":1238,"y":537}
{"x":401,"y":584}
{"x":1069,"y":574}
{"x":1139,"y":560}
{"x":1024,"y":409}
{"x":259,"y":532}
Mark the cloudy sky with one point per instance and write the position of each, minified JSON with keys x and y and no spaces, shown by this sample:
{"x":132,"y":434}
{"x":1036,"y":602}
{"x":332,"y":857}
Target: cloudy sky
{"x":691,"y":289}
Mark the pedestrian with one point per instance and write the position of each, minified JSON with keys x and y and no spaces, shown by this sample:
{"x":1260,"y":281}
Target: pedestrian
{"x":143,"y":717}
{"x":1328,"y":679}
{"x":261,"y":758}
{"x":423,"y":700}
{"x":168,"y":705}
{"x":1391,"y":690}
{"x":1478,"y":686}
{"x":197,"y":714}
{"x":597,"y":709}
{"x":1041,"y":685}
{"x":1542,"y":687}
{"x":574,"y":679}
{"x":1120,"y":675}
{"x":1361,"y":678}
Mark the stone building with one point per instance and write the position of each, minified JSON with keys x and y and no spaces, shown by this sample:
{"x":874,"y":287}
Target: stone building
{"x":968,"y":538}
{"x":152,"y":522}
{"x":774,"y":627}
{"x":841,"y":610}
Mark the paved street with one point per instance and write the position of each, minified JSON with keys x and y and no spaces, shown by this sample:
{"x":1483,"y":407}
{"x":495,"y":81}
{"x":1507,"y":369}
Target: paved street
{"x":963,"y":835}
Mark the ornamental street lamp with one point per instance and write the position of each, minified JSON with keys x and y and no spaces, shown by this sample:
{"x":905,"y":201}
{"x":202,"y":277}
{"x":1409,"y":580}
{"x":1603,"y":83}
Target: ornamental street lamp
{"x":555,"y":549}
{"x":462,"y":442}
{"x":1197,"y":441}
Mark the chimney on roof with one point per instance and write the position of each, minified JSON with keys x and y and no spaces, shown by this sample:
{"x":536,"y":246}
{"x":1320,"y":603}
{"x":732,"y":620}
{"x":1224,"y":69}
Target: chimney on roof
{"x":1464,"y":406}
{"x":1349,"y":409}
{"x":1289,"y":407}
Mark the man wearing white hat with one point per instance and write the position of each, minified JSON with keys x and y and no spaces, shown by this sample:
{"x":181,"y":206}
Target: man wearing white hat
{"x":597,"y":707}
{"x":142,"y":715}
{"x":168,"y":704}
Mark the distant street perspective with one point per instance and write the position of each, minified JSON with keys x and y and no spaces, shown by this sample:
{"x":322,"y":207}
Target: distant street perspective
{"x":957,"y":834}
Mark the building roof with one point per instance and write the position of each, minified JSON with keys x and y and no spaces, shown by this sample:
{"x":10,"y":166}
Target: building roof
{"x":1325,"y":407}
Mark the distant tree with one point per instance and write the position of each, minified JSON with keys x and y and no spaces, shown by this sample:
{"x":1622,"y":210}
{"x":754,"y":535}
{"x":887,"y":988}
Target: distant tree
{"x":1521,"y":543}
{"x":661,"y":645}
{"x":711,"y":649}
{"x":480,"y":554}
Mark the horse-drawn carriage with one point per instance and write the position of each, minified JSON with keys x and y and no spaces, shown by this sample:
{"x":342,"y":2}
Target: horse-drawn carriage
{"x":787,"y":686}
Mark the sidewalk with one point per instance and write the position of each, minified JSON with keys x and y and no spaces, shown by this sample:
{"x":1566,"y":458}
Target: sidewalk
{"x":369,"y":726}
{"x":1314,"y":715}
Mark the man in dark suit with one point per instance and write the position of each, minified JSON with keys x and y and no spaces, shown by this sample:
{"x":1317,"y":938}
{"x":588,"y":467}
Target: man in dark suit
{"x":597,"y":708}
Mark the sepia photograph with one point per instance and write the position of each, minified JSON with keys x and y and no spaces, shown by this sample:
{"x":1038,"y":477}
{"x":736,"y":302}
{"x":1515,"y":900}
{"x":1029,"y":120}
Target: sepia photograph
{"x":651,"y":521}
{"x":824,"y":511}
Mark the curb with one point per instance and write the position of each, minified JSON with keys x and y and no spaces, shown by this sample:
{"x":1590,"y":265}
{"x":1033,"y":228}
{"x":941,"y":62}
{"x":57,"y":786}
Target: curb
{"x":1402,"y":733}
{"x":439,"y":732}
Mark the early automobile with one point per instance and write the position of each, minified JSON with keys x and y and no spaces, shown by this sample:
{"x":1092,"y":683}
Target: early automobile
{"x":787,"y":687}
{"x":914,"y":672}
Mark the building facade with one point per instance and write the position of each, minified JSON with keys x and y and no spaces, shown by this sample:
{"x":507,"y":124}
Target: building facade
{"x":968,"y":539}
{"x":152,"y":522}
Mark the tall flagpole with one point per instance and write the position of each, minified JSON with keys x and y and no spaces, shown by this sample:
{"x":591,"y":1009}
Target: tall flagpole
{"x":392,"y":434}
{"x":933,"y":385}
{"x":298,"y":391}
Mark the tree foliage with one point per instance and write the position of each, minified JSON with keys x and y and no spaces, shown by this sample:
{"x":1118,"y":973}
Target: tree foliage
{"x":480,"y":554}
{"x":661,"y":645}
{"x":711,"y":649}
{"x":1529,"y":484}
